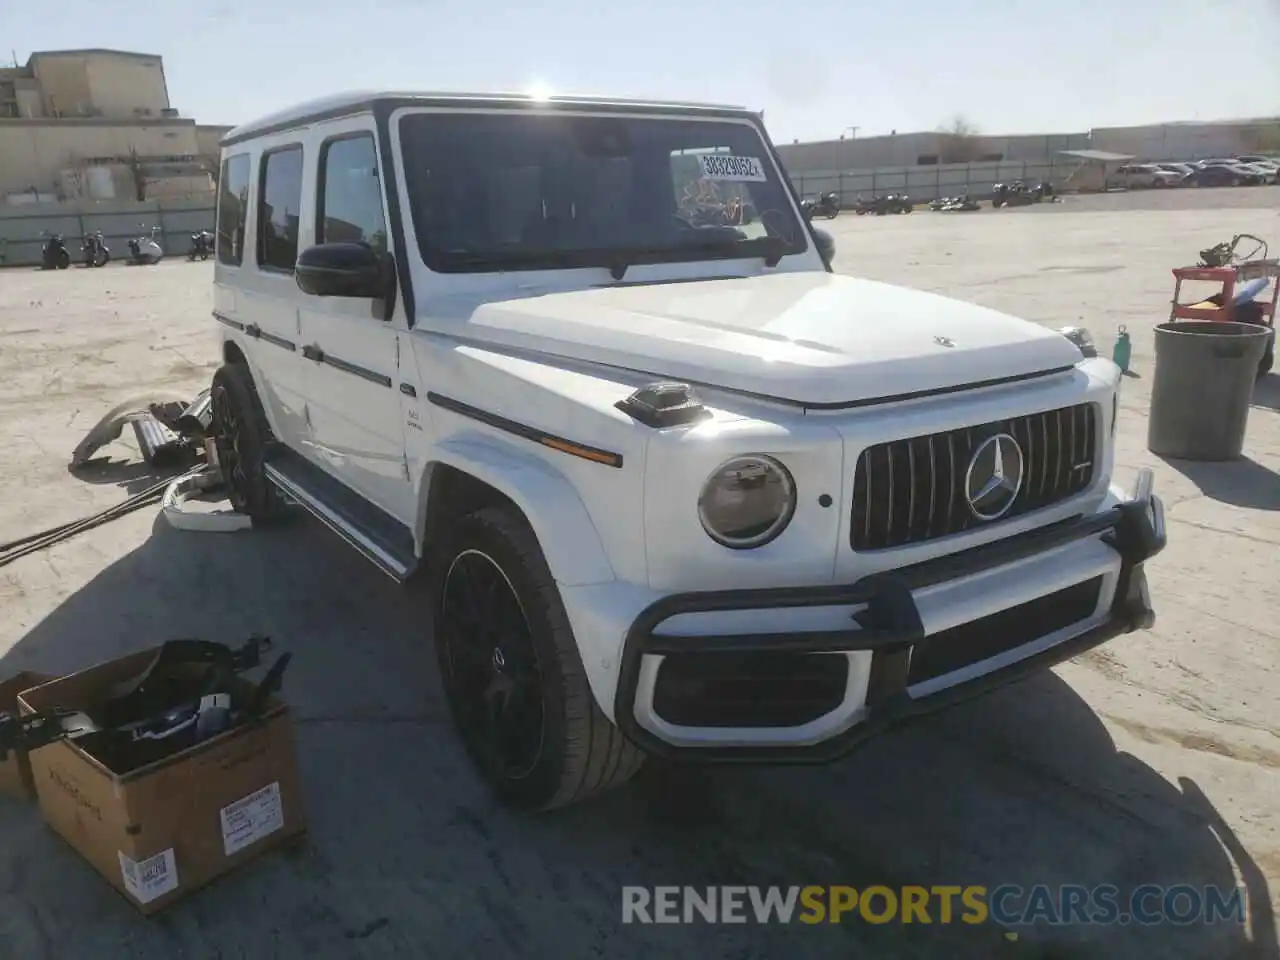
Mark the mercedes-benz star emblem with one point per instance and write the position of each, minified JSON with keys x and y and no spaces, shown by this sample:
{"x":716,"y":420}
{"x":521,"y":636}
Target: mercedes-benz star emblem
{"x":994,"y":477}
{"x":944,"y":341}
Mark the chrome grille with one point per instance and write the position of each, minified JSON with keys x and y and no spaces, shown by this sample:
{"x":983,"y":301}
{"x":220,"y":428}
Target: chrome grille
{"x":911,"y":491}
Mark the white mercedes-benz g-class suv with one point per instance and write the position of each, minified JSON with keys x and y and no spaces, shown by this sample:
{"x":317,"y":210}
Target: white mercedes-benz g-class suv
{"x":673,"y":487}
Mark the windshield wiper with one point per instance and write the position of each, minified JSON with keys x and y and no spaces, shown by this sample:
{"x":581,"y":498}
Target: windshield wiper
{"x":774,"y":249}
{"x":499,"y":260}
{"x":620,"y":260}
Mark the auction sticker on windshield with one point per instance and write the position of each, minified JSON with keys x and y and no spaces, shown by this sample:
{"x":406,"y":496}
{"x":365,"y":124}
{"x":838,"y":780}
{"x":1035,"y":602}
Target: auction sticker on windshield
{"x":719,"y":166}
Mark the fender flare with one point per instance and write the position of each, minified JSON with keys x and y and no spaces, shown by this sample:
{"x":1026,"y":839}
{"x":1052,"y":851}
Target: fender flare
{"x":561,"y":522}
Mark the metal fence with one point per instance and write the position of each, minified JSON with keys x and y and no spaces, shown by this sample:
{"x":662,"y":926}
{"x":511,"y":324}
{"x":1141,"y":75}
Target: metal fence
{"x":21,"y":226}
{"x":927,"y":183}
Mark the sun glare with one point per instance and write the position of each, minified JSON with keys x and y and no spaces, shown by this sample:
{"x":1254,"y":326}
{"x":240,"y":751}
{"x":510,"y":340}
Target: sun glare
{"x":540,"y":90}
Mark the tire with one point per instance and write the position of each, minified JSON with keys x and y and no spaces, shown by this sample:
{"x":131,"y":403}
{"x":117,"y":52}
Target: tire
{"x":64,"y":259}
{"x":241,"y":435}
{"x":511,"y":643}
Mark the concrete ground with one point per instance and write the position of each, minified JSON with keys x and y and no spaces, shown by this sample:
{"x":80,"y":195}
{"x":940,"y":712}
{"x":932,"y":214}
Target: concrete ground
{"x":1151,"y":760}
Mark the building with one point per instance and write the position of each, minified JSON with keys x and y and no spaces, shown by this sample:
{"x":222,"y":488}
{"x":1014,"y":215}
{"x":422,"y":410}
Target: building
{"x":1192,"y":140}
{"x":97,"y":125}
{"x":923,"y":149}
{"x":1155,"y":142}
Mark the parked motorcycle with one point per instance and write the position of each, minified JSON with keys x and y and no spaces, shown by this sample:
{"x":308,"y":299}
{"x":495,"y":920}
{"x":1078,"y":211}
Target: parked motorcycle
{"x":201,"y":245}
{"x":963,"y":202}
{"x":880,"y":206}
{"x":95,"y":250}
{"x":1018,"y":194}
{"x":54,"y":255}
{"x":146,"y":249}
{"x":826,"y":206}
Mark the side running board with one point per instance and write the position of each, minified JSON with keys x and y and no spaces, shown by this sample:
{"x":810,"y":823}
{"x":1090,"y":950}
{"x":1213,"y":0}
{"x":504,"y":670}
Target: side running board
{"x":384,"y":541}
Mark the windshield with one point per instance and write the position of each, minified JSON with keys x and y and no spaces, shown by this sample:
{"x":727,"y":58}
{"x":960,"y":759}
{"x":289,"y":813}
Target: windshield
{"x":506,"y":191}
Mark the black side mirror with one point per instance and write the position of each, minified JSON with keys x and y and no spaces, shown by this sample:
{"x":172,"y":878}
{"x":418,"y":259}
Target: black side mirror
{"x":826,"y":245}
{"x":342,"y":270}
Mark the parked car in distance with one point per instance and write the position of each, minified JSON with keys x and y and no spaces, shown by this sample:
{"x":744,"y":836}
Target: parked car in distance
{"x":1269,"y":169}
{"x":1253,"y":176}
{"x":1140,"y":176}
{"x":1221,"y":175}
{"x":1182,"y":169}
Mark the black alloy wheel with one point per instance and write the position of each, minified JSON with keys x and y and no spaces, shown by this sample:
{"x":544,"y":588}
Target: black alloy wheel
{"x":227,"y":440}
{"x":493,"y":667}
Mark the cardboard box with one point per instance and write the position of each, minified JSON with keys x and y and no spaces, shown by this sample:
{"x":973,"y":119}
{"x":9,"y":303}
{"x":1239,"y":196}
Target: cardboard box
{"x":164,"y":830}
{"x":15,"y":771}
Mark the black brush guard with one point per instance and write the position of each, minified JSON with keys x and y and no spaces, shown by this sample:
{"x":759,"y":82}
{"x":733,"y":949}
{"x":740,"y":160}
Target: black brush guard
{"x":890,"y":626}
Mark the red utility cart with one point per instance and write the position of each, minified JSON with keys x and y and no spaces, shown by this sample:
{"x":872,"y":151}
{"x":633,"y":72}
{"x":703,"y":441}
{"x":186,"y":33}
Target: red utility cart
{"x":1237,"y":298}
{"x":1222,"y":305}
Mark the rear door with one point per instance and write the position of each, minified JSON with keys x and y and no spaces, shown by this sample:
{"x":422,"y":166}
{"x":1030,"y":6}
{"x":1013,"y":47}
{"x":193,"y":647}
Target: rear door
{"x":353,"y":390}
{"x":260,"y":195}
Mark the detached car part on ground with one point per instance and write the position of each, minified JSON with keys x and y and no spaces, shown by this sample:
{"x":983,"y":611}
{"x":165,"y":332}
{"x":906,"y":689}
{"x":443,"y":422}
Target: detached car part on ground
{"x":184,"y":696}
{"x":690,"y":494}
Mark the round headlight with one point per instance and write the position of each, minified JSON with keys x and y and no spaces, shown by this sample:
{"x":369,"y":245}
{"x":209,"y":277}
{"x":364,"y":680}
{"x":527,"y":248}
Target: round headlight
{"x":747,"y":502}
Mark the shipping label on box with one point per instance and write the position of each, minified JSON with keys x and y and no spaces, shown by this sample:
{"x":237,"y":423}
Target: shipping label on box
{"x":146,"y":880}
{"x":249,"y":820}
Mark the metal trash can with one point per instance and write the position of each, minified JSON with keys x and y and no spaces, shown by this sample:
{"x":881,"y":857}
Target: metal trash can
{"x":1205,"y":371}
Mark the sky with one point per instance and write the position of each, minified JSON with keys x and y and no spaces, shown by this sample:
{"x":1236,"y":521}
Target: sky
{"x":816,"y":69}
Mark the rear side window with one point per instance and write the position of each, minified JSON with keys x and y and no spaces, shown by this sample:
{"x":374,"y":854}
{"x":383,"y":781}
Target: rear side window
{"x":233,"y":208}
{"x":279,"y":207}
{"x":350,"y":199}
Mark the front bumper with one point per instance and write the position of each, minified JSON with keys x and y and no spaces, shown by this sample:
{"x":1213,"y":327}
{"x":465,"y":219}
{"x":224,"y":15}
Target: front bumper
{"x":889,"y":627}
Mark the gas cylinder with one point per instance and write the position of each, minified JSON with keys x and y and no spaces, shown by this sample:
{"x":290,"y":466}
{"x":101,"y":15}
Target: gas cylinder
{"x":1123,"y":351}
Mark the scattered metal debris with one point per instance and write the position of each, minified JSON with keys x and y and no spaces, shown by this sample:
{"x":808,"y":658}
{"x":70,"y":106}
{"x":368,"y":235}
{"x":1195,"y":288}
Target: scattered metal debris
{"x":110,"y":426}
{"x":197,"y":483}
{"x":171,"y":433}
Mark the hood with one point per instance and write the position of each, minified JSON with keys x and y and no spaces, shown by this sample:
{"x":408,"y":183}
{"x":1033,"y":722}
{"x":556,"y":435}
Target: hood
{"x":811,"y":338}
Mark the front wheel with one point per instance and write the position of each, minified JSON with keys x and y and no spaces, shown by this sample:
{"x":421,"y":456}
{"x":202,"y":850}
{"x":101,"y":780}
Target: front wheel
{"x":64,"y":259}
{"x":512,"y":672}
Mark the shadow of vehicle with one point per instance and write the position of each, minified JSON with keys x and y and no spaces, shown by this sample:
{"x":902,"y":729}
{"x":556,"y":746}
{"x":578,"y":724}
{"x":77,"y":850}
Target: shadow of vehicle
{"x":408,"y":850}
{"x":1242,"y":483}
{"x":132,"y":476}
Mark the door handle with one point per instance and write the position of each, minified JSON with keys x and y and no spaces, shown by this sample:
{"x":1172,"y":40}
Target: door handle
{"x":312,"y":352}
